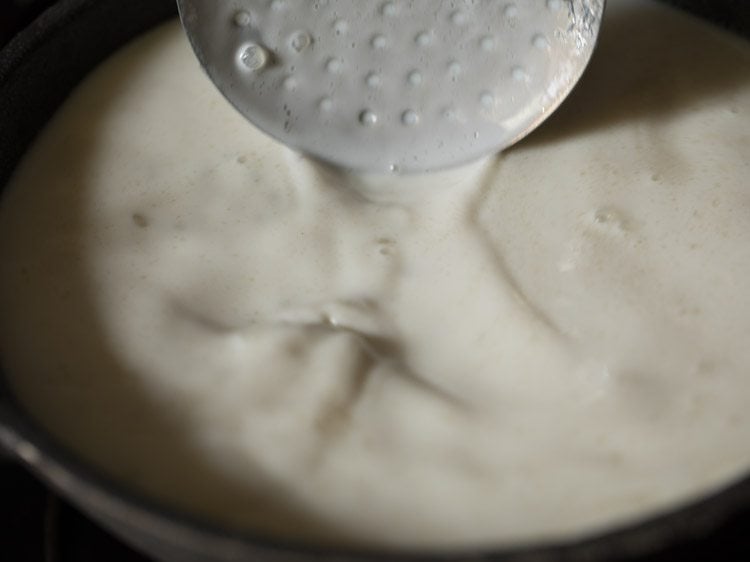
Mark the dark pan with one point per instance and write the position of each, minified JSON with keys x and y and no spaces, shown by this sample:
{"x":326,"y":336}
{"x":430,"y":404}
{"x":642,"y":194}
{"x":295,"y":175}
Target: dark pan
{"x":38,"y":69}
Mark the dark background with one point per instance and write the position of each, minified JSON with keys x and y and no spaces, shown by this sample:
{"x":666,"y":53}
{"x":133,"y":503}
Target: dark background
{"x":16,"y":14}
{"x":36,"y":526}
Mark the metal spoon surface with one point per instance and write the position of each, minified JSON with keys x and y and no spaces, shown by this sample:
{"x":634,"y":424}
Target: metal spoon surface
{"x":397,"y":85}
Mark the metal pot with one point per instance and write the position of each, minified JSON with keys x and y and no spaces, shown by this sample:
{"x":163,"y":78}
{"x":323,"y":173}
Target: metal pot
{"x":38,"y":69}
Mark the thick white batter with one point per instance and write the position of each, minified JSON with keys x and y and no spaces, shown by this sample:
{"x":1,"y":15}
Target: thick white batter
{"x":535,"y":347}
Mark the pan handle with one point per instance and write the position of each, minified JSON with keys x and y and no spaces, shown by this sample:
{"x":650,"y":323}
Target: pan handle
{"x":8,"y":440}
{"x":14,"y":445}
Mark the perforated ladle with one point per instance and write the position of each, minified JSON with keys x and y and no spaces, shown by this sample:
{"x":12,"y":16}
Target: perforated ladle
{"x":395,"y":85}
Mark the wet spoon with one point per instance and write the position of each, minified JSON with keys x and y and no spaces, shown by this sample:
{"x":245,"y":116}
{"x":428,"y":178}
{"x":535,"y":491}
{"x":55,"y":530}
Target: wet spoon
{"x":395,"y":85}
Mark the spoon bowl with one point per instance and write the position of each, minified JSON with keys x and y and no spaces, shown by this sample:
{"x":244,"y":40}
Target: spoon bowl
{"x":394,"y":86}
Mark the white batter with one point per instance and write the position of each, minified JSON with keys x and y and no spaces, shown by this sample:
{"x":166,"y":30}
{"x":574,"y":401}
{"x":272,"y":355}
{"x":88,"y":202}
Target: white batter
{"x":536,"y":347}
